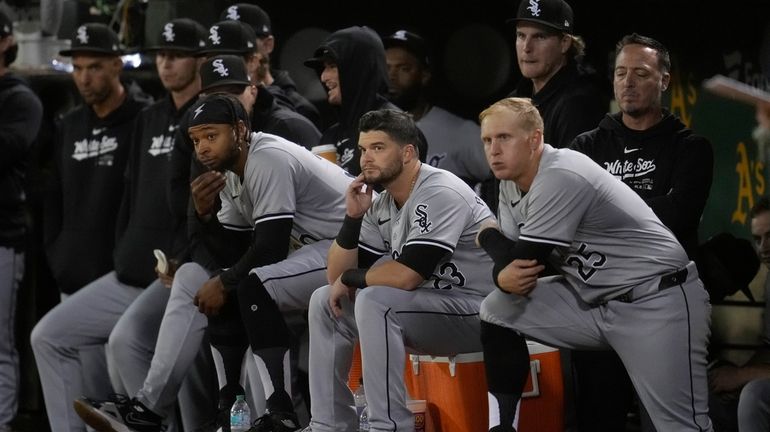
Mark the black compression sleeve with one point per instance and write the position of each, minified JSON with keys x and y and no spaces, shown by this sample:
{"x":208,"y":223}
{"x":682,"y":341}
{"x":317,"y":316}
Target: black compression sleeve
{"x":524,"y":249}
{"x":354,"y":278}
{"x":349,"y":232}
{"x":270,"y":244}
{"x":423,"y":259}
{"x":497,"y":246}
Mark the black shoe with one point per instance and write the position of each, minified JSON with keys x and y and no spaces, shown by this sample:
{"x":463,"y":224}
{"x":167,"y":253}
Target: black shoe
{"x":276,"y":422}
{"x":501,"y":428}
{"x":118,"y":414}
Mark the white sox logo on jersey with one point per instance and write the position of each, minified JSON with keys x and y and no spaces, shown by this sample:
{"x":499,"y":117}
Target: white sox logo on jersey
{"x":214,"y":35}
{"x":232,"y":13}
{"x":534,"y":8}
{"x":82,"y":34}
{"x":86,"y":149}
{"x":168,"y":32}
{"x":422,"y":218}
{"x":220,"y":68}
{"x":161,"y":144}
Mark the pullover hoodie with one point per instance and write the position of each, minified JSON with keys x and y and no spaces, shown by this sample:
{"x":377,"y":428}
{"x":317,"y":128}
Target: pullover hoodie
{"x":147,"y":219}
{"x":571,"y":102}
{"x":669,"y":166}
{"x":360,"y":58}
{"x":86,"y":191}
{"x":20,"y":115}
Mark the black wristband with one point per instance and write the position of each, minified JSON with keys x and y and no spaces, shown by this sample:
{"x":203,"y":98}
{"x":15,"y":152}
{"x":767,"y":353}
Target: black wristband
{"x":348,"y":235}
{"x":355,"y":278}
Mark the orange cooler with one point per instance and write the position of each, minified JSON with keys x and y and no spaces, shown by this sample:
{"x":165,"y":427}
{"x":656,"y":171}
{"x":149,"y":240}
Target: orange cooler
{"x":455,"y":389}
{"x":542,"y":404}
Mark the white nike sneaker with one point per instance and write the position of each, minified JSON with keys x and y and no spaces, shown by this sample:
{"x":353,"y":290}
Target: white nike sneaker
{"x":118,"y":414}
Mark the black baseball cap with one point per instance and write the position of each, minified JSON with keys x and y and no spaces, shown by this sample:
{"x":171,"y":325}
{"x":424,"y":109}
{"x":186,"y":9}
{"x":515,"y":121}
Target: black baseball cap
{"x":230,"y":37}
{"x":409,"y":41}
{"x":93,"y":38}
{"x":250,"y":14}
{"x":6,"y":25}
{"x":555,"y":14}
{"x":221,"y":70}
{"x":320,"y":56}
{"x":182,"y":34}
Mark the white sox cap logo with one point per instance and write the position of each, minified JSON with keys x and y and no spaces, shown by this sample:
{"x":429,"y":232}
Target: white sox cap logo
{"x":232,"y":13}
{"x":214,"y":35}
{"x":220,"y":68}
{"x":534,"y":7}
{"x":168,"y":32}
{"x":82,"y":34}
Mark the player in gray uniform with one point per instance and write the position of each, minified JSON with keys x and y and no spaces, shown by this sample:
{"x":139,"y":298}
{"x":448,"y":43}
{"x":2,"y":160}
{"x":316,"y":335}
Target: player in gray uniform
{"x":290,"y":199}
{"x":426,"y":298}
{"x":625,"y":282}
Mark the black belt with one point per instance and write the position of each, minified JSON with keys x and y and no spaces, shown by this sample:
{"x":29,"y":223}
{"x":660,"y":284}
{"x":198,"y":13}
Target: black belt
{"x":666,"y":282}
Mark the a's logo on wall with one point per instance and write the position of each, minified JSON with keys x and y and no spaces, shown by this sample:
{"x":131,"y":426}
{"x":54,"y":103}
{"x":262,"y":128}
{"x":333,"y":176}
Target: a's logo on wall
{"x":168,"y":32}
{"x":534,"y":8}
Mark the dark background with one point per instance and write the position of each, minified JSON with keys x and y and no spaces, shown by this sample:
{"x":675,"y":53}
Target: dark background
{"x":474,"y":65}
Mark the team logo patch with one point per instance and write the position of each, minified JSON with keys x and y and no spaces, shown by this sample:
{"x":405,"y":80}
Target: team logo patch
{"x":534,"y":7}
{"x":232,"y":13}
{"x":168,"y":32}
{"x":220,"y":68}
{"x":82,"y":34}
{"x":214,"y":35}
{"x":422,"y":218}
{"x":198,"y":110}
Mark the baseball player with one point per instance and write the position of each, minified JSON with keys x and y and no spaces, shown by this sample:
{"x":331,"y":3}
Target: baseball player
{"x":287,"y":198}
{"x":426,"y":297}
{"x":626,"y":283}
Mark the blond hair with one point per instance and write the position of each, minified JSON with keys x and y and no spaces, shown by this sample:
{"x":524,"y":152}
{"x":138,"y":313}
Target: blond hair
{"x":528,"y":114}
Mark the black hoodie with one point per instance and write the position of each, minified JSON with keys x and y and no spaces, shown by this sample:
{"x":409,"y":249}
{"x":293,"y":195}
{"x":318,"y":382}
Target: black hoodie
{"x":667,"y":165}
{"x":20,"y":115}
{"x":573,"y":101}
{"x":360,"y":58}
{"x":86,"y":191}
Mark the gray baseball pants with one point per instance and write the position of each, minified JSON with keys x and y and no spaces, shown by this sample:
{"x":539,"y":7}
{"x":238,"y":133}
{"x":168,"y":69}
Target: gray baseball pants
{"x":661,"y":339}
{"x":386,"y":321}
{"x":11,"y":273}
{"x":83,"y":321}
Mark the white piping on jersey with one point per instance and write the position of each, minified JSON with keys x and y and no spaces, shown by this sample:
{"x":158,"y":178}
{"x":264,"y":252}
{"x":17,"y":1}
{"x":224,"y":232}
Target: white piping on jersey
{"x":275,"y":216}
{"x":368,"y":248}
{"x":236,"y":227}
{"x":430,"y":243}
{"x":544,"y":240}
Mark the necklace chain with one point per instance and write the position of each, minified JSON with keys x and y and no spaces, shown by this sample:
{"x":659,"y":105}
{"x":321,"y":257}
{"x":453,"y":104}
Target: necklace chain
{"x":414,"y":179}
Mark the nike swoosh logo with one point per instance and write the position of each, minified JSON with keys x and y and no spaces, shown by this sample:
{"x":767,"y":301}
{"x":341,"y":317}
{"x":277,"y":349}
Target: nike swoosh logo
{"x":515,"y":203}
{"x":97,"y":131}
{"x":380,"y":221}
{"x":627,"y":150}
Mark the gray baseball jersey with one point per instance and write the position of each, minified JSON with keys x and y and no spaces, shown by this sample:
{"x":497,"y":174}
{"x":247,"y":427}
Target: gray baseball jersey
{"x":283,"y":180}
{"x":442,"y":211}
{"x":607,"y":238}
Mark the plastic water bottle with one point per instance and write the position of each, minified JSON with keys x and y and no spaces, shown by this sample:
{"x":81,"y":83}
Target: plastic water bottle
{"x":240,"y":415}
{"x":363,"y":421}
{"x":360,"y":398}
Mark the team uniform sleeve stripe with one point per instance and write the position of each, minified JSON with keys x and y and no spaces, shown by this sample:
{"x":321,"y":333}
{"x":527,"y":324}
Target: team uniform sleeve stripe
{"x":274,"y":216}
{"x":544,"y":240}
{"x":428,"y":242}
{"x":236,"y":227}
{"x":371,"y":249}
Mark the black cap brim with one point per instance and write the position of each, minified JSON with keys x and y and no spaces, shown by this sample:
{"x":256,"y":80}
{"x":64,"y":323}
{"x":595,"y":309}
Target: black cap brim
{"x":186,"y":50}
{"x":514,"y":21}
{"x":226,"y":82}
{"x":93,"y":51}
{"x":211,"y":52}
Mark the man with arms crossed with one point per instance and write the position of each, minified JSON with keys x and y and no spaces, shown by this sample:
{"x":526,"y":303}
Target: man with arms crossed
{"x":625,"y":282}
